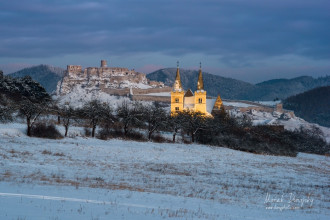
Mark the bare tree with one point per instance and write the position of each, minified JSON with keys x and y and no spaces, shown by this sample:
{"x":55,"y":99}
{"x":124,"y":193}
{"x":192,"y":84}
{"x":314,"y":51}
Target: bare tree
{"x":95,"y":112}
{"x":6,"y":109}
{"x":31,"y":111}
{"x":129,"y":115}
{"x":175,"y":123}
{"x":67,"y":113}
{"x":192,"y":122}
{"x":155,"y":117}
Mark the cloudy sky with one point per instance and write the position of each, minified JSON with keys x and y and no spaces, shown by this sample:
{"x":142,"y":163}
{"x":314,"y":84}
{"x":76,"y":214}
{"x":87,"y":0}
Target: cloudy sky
{"x":251,"y":40}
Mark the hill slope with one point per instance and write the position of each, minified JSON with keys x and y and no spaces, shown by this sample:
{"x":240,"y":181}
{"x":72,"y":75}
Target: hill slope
{"x":46,"y":75}
{"x":313,"y":105}
{"x":283,"y":88}
{"x":235,"y":89}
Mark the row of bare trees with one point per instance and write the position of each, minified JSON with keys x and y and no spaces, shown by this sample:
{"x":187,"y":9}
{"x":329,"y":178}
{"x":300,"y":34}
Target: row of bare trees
{"x":127,"y":116}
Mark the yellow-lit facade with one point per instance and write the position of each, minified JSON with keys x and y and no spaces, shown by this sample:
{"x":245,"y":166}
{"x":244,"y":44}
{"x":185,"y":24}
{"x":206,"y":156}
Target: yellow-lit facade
{"x":200,"y":102}
{"x":182,"y":100}
{"x":177,"y":101}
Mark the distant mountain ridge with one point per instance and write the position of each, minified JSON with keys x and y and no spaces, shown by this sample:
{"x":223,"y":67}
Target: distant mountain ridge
{"x":230,"y":88}
{"x":312,"y":105}
{"x":283,"y":88}
{"x":46,"y":75}
{"x":213,"y":84}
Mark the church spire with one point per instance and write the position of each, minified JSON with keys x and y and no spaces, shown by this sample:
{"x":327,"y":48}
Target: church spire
{"x":200,"y":83}
{"x":177,"y":83}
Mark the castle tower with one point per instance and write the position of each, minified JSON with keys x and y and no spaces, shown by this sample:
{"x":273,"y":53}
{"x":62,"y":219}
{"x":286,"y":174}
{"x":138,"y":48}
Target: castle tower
{"x":104,"y":63}
{"x":200,"y":94}
{"x":177,"y":93}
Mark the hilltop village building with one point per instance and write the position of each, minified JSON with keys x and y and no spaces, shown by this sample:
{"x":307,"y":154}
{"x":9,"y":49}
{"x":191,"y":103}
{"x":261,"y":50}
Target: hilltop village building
{"x":187,"y":100}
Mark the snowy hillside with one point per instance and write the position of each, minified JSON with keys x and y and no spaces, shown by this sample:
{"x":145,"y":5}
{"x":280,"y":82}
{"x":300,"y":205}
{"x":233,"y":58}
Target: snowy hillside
{"x":78,"y":97}
{"x":289,"y":122}
{"x":84,"y":178}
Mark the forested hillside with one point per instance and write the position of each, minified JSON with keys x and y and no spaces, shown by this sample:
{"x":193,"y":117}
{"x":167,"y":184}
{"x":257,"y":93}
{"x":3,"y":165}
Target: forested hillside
{"x":313,"y":105}
{"x":46,"y":75}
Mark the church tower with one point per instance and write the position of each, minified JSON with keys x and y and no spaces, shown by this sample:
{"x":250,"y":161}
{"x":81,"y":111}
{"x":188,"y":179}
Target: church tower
{"x":200,"y":94}
{"x":177,"y":93}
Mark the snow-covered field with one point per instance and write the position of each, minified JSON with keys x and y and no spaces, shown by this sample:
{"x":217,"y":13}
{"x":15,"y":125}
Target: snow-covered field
{"x":85,"y":178}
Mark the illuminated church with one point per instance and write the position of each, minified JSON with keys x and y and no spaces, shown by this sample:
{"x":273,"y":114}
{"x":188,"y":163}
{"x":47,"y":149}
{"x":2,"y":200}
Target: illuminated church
{"x":187,"y":100}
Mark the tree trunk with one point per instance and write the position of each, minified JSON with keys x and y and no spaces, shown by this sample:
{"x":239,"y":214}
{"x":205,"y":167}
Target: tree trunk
{"x":58,"y":119}
{"x":174,"y":134}
{"x":192,"y":137}
{"x":149,"y":131}
{"x":125,"y":129}
{"x":66,"y":130}
{"x":93,"y":130}
{"x":28,"y":126}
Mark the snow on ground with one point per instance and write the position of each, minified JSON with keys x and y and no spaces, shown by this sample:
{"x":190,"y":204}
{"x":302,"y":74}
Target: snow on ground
{"x":85,"y":178}
{"x":129,"y":84}
{"x":269,"y":103}
{"x":79,"y":96}
{"x":237,"y":104}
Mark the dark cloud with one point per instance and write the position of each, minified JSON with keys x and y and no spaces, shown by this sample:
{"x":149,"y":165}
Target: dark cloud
{"x":237,"y":31}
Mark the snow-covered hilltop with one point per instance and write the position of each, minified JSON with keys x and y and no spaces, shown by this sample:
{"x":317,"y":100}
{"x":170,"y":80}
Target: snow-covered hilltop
{"x":111,"y":80}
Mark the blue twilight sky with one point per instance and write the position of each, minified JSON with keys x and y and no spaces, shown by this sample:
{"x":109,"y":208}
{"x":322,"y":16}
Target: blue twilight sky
{"x":251,"y":40}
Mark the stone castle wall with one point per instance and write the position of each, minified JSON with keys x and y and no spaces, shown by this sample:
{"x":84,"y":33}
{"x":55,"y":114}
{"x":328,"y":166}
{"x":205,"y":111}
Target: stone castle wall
{"x":166,"y":99}
{"x":137,"y":91}
{"x":74,"y":71}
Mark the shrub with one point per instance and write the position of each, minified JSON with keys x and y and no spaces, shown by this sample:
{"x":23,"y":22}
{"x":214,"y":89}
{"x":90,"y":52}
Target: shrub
{"x":158,"y":138}
{"x":87,"y":132}
{"x":42,"y":130}
{"x":136,"y":136}
{"x":104,"y":134}
{"x":311,"y":141}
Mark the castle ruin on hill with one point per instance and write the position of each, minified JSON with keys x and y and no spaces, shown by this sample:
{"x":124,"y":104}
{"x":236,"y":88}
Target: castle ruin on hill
{"x":111,"y":80}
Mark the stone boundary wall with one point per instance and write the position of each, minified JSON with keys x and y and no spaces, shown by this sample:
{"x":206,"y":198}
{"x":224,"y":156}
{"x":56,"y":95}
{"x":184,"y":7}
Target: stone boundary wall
{"x":120,"y":92}
{"x":136,"y":91}
{"x":151,"y":98}
{"x":150,"y":90}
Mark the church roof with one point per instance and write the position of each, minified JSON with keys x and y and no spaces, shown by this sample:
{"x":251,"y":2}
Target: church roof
{"x":210,"y":104}
{"x":200,"y":83}
{"x":189,"y":93}
{"x":177,"y":86}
